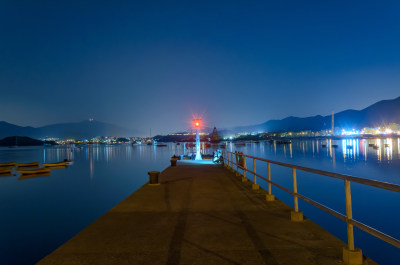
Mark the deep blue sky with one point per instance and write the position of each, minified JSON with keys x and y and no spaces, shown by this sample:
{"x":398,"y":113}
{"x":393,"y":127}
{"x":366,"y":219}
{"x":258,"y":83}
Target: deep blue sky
{"x":153,"y":64}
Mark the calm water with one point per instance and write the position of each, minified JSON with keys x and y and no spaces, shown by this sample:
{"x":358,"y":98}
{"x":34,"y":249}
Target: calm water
{"x":39,"y":214}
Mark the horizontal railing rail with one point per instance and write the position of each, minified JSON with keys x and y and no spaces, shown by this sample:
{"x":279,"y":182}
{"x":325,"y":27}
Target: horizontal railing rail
{"x":296,"y":215}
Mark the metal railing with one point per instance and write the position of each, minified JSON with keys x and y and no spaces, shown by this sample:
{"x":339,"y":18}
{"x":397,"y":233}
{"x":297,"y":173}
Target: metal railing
{"x":348,"y":217}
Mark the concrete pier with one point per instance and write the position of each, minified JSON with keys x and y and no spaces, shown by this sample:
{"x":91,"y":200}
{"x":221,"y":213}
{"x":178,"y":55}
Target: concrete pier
{"x":200,"y":214}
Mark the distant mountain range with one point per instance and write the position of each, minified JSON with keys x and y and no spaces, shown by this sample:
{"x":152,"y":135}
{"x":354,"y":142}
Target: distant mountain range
{"x":379,"y":114}
{"x":79,"y":130}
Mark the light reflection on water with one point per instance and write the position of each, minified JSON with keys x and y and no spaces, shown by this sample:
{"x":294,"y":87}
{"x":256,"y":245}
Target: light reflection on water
{"x":103,"y":175}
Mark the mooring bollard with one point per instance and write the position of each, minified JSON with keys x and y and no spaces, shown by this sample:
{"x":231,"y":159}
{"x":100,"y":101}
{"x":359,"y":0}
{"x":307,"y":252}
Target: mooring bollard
{"x":173,"y":161}
{"x":154,"y":178}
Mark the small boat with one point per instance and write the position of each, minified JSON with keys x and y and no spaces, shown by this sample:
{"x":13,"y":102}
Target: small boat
{"x":371,"y":145}
{"x":161,"y":145}
{"x":10,"y":164}
{"x":284,"y":142}
{"x":257,"y":142}
{"x":387,"y":145}
{"x":334,"y":145}
{"x":5,"y":170}
{"x":27,"y":176}
{"x":65,"y":163}
{"x":33,"y":164}
{"x":57,"y":167}
{"x":240,"y":143}
{"x":324,"y":145}
{"x":34,"y":170}
{"x":207,"y":145}
{"x":178,"y":143}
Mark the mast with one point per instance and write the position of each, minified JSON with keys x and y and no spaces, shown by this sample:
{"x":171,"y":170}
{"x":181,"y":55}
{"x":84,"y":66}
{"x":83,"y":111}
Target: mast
{"x":197,"y":125}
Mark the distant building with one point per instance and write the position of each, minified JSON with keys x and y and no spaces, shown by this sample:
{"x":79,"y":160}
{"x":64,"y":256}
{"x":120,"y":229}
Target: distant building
{"x":214,"y":136}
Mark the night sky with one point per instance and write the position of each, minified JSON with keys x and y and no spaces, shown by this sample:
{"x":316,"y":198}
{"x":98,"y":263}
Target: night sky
{"x":155,"y":64}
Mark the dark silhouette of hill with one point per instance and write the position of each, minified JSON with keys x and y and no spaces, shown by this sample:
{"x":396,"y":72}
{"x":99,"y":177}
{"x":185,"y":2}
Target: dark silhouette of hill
{"x":8,"y":129}
{"x":379,"y":114}
{"x":78,"y":130}
{"x":21,"y":141}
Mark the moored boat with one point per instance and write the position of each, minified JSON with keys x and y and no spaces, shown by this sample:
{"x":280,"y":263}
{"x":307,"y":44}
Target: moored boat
{"x":33,"y":164}
{"x":27,"y":176}
{"x":56,"y":167}
{"x":5,"y":170}
{"x":34,"y":170}
{"x":284,"y":142}
{"x":12,"y":164}
{"x":56,"y":164}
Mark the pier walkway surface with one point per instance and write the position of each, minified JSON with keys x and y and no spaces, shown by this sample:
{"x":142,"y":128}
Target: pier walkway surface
{"x":200,"y":214}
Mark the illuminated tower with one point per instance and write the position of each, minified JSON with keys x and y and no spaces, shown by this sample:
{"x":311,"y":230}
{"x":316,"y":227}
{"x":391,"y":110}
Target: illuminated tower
{"x":333,"y":123}
{"x":197,"y":126}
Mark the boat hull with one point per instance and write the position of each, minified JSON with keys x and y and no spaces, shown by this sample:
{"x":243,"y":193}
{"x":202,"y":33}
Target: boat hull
{"x":11,"y":164}
{"x":33,"y":164}
{"x":34,"y":171}
{"x":59,"y":164}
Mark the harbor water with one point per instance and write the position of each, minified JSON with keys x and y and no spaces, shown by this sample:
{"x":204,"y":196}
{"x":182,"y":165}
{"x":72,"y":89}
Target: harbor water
{"x":40,"y":213}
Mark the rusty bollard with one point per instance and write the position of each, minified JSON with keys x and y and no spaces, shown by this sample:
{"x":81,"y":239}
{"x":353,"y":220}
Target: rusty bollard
{"x":173,"y":161}
{"x":154,"y":178}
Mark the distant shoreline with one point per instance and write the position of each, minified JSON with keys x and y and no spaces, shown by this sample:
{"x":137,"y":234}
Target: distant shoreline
{"x":342,"y":137}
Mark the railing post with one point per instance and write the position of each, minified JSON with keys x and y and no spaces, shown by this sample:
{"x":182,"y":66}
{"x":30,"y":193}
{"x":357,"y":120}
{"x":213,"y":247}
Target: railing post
{"x":255,"y":186}
{"x":231,"y":162}
{"x":237,"y":163}
{"x":270,"y":197}
{"x":244,"y":178}
{"x":296,"y":216}
{"x":350,"y":254}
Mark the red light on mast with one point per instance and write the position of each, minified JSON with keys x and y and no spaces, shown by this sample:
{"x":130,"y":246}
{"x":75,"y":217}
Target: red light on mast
{"x":196,"y":123}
